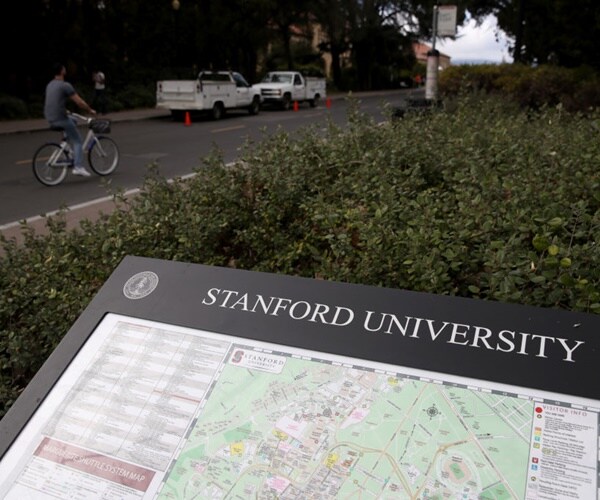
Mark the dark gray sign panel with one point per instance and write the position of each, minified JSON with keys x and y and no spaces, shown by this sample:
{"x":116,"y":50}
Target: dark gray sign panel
{"x":182,"y":380}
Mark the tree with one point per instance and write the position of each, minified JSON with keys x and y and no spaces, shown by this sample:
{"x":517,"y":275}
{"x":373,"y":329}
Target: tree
{"x":378,"y":33}
{"x":563,"y":32}
{"x":381,"y":39}
{"x":288,"y":19}
{"x":332,"y":15}
{"x":137,"y":42}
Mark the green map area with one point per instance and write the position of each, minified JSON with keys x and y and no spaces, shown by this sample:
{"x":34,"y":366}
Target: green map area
{"x":323,"y":430}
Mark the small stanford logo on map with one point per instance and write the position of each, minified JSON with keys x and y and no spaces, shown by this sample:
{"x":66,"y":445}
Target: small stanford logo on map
{"x":256,"y":360}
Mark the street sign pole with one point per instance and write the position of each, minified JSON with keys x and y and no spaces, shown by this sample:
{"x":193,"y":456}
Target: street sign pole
{"x":444,"y":24}
{"x":433,"y":56}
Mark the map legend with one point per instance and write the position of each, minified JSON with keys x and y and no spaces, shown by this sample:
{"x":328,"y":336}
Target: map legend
{"x":564,"y":453}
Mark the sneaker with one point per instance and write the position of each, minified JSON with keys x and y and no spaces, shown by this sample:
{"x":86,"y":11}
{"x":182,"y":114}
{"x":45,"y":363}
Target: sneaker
{"x":81,"y":171}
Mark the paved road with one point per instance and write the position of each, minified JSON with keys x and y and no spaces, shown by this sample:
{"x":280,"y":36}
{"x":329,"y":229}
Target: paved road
{"x":76,"y":213}
{"x":90,"y":209}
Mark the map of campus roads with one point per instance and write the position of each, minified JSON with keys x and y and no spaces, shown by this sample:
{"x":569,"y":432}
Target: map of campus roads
{"x":286,"y":426}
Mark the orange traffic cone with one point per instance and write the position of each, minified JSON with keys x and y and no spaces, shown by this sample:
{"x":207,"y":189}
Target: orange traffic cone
{"x":188,"y":120}
{"x":295,"y":105}
{"x":328,"y":102}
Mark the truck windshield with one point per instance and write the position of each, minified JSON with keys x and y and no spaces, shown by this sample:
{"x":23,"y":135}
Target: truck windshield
{"x":277,"y":78}
{"x":240,"y":81}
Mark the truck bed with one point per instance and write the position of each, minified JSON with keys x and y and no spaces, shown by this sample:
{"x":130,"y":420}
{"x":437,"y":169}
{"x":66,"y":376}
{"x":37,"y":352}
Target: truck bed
{"x":192,"y":94}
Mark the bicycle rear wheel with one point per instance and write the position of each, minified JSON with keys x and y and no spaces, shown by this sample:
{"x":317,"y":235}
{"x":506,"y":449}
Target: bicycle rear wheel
{"x":50,"y":163}
{"x":104,"y":155}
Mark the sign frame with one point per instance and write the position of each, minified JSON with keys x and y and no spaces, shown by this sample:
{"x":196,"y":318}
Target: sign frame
{"x":545,"y":350}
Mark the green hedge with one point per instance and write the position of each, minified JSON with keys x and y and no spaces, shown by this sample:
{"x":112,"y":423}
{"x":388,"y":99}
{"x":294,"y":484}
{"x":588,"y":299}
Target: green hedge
{"x":476,"y":199}
{"x":531,"y":87}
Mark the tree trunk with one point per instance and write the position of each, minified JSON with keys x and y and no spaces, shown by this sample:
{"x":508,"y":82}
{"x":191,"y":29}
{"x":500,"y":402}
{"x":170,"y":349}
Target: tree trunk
{"x":517,"y":53}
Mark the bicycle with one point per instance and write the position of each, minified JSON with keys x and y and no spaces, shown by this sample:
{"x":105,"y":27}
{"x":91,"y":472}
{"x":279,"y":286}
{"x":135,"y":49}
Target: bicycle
{"x":52,"y":160}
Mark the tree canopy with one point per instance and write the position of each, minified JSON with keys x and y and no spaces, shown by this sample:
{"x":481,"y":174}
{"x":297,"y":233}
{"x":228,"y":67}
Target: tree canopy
{"x":137,"y":41}
{"x":562,"y":32}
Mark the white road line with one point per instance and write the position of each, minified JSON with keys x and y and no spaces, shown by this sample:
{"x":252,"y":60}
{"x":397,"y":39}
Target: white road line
{"x":86,"y":204}
{"x":69,"y":209}
{"x":228,"y":129}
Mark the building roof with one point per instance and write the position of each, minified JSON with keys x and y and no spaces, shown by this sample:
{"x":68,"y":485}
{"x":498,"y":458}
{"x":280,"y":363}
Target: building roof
{"x":421,"y":50}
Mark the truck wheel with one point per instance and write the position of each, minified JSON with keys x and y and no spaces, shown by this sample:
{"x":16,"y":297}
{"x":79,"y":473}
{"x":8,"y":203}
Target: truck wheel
{"x":254,"y":108}
{"x":217,"y":111}
{"x":314,"y":102}
{"x":286,"y":103}
{"x":177,"y":115}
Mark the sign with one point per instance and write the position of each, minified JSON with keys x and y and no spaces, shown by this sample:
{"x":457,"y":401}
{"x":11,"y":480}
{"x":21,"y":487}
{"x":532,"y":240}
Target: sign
{"x":185,"y":380}
{"x":446,"y":20}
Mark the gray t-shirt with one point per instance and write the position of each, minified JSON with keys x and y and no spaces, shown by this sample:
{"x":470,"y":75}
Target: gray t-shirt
{"x":55,"y":105}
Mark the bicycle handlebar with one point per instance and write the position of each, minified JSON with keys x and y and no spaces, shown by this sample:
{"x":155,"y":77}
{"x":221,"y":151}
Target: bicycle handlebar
{"x":86,"y":119}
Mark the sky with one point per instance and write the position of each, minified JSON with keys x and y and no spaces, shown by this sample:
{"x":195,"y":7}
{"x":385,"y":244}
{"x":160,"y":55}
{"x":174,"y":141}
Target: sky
{"x":476,"y":44}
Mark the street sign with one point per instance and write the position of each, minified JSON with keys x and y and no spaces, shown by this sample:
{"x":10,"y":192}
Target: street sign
{"x":446,"y":20}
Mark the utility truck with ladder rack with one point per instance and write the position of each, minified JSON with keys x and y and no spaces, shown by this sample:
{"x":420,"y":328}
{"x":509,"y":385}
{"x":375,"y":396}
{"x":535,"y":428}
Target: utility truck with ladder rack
{"x":213,"y":92}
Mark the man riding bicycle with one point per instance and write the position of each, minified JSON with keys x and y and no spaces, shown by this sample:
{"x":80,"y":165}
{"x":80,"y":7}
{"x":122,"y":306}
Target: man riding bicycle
{"x":55,"y":111}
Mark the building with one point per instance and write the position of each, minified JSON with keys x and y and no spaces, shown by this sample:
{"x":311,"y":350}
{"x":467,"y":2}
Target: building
{"x":421,"y":50}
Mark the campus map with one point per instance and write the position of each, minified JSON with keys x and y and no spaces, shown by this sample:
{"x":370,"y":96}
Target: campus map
{"x":321,"y":430}
{"x":152,"y":411}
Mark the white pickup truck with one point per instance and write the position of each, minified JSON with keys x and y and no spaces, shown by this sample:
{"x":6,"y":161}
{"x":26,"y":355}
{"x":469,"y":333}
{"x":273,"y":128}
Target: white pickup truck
{"x":284,"y":87}
{"x":212,"y":92}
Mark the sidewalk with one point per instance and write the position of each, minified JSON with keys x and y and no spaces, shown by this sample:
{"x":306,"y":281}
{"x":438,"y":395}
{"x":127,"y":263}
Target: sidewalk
{"x":30,"y":125}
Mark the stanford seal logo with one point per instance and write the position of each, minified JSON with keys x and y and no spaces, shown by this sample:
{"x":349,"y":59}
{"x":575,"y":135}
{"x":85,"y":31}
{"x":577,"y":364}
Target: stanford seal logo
{"x":140,"y":285}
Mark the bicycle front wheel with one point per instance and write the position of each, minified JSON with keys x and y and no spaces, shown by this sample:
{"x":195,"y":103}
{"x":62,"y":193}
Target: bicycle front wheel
{"x":103,"y":155}
{"x":50,"y":164}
